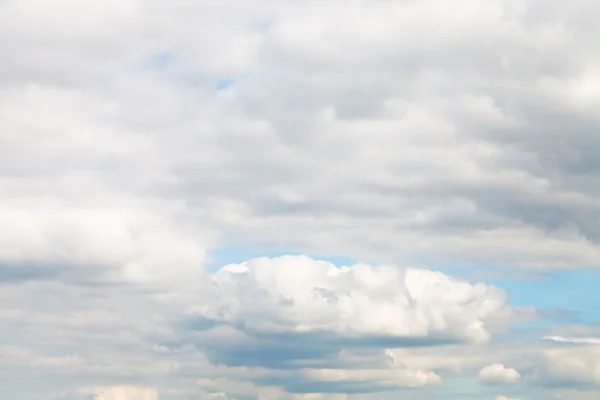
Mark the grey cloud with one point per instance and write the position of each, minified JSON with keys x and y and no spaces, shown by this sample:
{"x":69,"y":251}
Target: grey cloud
{"x":295,"y":351}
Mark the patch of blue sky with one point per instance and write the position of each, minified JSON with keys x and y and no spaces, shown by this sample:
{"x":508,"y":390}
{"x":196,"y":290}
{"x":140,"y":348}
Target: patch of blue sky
{"x":263,"y":26}
{"x":575,"y":291}
{"x":225,"y":83}
{"x":159,"y":60}
{"x":572,"y":290}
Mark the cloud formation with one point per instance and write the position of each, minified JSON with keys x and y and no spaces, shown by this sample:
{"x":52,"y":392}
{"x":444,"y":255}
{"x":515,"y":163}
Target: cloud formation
{"x":429,"y":164}
{"x":138,"y":139}
{"x":302,"y":295}
{"x":498,"y":373}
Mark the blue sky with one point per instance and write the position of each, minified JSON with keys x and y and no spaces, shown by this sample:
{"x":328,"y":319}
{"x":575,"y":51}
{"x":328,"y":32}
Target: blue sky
{"x":283,"y":200}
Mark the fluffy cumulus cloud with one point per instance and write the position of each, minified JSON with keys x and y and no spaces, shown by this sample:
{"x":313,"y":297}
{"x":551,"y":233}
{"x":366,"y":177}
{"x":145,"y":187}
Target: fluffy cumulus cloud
{"x":498,"y":373}
{"x":302,"y":295}
{"x":152,"y":152}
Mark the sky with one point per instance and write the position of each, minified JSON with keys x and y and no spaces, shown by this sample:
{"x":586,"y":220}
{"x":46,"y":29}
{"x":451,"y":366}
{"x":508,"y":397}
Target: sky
{"x":299,"y":200}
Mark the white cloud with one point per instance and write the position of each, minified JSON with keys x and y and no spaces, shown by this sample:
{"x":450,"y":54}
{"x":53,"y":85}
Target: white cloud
{"x":118,"y":237}
{"x":70,"y":203}
{"x":456,"y":359}
{"x":395,"y":377}
{"x":498,"y":373}
{"x":312,"y":126}
{"x":506,"y":398}
{"x":573,"y":365}
{"x":582,"y":340}
{"x":222,"y":388}
{"x":299,"y":294}
{"x":126,"y":393}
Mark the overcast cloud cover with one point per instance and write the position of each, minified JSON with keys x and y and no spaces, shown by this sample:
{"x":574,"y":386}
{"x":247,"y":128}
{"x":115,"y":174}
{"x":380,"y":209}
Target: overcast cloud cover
{"x":299,"y":200}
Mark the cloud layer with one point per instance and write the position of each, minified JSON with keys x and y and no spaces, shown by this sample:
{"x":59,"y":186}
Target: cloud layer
{"x":142,"y":142}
